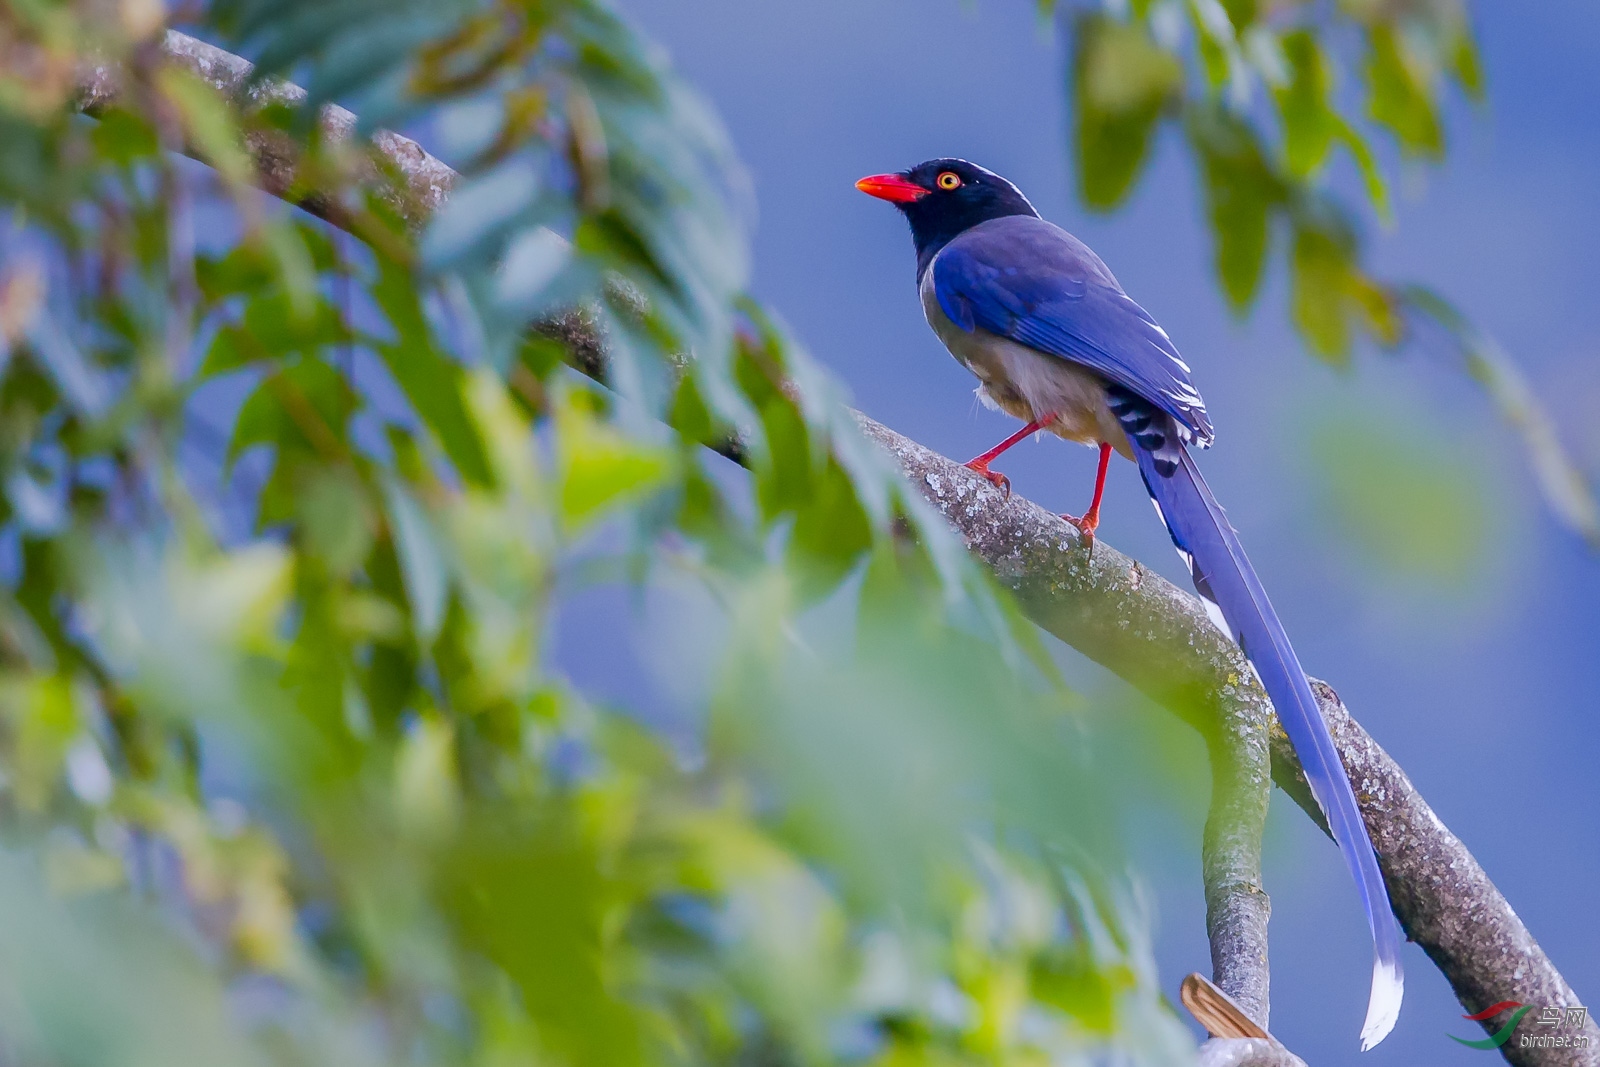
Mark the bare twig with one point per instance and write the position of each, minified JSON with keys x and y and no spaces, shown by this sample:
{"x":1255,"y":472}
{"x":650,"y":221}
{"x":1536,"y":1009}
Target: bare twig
{"x":1136,"y":623}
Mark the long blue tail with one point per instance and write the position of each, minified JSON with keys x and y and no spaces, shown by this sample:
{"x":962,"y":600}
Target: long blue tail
{"x":1223,"y":575}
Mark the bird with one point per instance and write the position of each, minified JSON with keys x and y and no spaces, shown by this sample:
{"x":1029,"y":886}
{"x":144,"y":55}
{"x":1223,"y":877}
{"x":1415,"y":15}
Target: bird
{"x":1054,"y":341}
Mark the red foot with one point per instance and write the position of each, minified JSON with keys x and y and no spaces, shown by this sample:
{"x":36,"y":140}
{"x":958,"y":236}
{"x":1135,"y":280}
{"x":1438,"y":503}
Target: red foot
{"x":1086,"y":526}
{"x":1091,"y":518}
{"x":995,"y":478}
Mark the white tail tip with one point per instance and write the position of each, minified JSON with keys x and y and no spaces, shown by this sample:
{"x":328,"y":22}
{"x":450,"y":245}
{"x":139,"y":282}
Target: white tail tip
{"x":1388,"y":990}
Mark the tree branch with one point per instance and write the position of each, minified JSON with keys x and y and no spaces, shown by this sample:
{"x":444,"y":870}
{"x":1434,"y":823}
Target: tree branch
{"x":1246,"y":1052}
{"x":1158,"y":638}
{"x":424,"y":181}
{"x":1237,"y":906}
{"x":1120,"y":614}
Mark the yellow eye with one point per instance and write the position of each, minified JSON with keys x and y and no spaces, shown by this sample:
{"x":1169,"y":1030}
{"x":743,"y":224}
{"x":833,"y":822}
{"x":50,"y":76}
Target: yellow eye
{"x":949,"y":180}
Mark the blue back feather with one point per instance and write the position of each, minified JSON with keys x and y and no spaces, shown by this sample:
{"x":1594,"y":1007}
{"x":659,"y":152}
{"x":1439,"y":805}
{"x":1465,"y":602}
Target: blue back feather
{"x":1030,"y":280}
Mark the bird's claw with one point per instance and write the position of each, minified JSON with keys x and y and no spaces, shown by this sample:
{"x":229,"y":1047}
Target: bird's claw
{"x":994,"y":478}
{"x":1085,"y":526}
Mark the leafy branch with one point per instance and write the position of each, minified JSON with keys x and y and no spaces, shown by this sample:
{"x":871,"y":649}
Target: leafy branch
{"x":1257,"y":91}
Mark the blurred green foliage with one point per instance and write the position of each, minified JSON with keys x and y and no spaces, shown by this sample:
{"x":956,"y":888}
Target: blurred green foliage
{"x":290,"y":771}
{"x":1261,"y":113}
{"x":1268,"y":96}
{"x":1409,"y":505}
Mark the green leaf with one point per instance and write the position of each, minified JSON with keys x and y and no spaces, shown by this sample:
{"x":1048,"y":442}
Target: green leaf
{"x":422,"y":559}
{"x":296,"y":269}
{"x":831,"y":532}
{"x":231,"y":349}
{"x":303,"y":406}
{"x":431,"y":380}
{"x":689,"y":414}
{"x":1070,"y":980}
{"x":1466,"y":65}
{"x":534,"y":898}
{"x":44,"y":719}
{"x":124,"y":137}
{"x":338,"y":528}
{"x":1320,"y":266}
{"x":1242,"y":13}
{"x":1241,"y":193}
{"x":242,"y":270}
{"x":1216,"y":60}
{"x":426,"y":794}
{"x":598,"y":467}
{"x":1308,"y":118}
{"x":1123,"y":82}
{"x":784,"y":471}
{"x":1332,"y":294}
{"x":1401,"y":92}
{"x":1371,"y":174}
{"x":270,"y":329}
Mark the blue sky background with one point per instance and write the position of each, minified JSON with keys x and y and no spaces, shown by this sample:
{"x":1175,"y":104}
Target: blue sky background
{"x":1473,"y":663}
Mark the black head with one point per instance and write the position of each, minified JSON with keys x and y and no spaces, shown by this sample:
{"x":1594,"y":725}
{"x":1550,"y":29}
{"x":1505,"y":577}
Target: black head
{"x":943,"y":197}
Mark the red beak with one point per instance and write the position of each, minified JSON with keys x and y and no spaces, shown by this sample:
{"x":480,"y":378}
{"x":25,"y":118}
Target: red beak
{"x":891,"y":187}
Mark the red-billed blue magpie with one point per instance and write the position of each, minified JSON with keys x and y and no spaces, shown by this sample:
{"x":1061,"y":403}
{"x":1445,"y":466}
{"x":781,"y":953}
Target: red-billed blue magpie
{"x":1055,"y":342}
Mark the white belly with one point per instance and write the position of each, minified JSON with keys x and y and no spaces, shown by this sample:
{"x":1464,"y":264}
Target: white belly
{"x":1028,"y":384}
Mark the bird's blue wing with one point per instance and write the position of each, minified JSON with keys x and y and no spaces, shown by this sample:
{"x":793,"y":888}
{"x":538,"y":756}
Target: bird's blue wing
{"x":1029,"y":280}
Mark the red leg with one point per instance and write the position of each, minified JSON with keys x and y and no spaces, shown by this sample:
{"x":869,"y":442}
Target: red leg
{"x":1091,"y":518}
{"x":980,"y":464}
